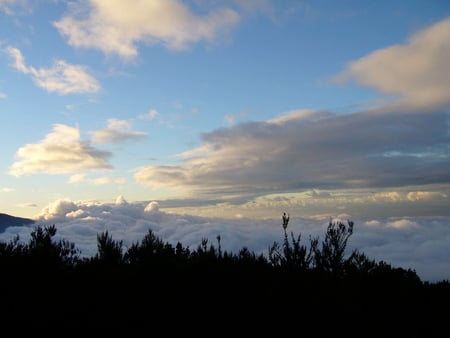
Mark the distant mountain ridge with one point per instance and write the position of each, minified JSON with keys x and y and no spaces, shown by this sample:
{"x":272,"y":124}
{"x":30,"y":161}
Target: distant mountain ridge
{"x":10,"y":221}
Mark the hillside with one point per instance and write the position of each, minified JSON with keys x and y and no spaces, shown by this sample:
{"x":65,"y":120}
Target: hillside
{"x":8,"y":221}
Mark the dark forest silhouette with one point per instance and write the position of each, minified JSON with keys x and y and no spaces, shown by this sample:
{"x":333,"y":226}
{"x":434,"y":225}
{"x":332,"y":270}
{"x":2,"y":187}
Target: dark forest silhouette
{"x":47,"y":283}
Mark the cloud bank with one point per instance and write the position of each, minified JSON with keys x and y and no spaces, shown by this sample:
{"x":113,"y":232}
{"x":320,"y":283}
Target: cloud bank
{"x":312,"y":149}
{"x":422,"y":244}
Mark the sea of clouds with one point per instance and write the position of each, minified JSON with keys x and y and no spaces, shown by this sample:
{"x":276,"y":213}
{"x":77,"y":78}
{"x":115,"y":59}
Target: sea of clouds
{"x":418,"y":243}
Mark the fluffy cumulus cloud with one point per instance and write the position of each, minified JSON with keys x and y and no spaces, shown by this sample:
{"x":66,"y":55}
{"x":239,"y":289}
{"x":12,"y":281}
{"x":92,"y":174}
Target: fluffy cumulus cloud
{"x":60,"y":152}
{"x":312,"y":149}
{"x":417,"y":72}
{"x":422,"y":244}
{"x":116,"y":27}
{"x":62,"y":78}
{"x":116,"y":131}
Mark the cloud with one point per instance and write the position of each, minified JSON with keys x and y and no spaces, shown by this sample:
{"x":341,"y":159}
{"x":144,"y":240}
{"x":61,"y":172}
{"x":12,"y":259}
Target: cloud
{"x":402,"y":224}
{"x":28,"y":205}
{"x":416,"y":72}
{"x":9,"y":6}
{"x":62,"y":78}
{"x":80,"y":178}
{"x":150,"y":115}
{"x":6,"y":189}
{"x":117,"y":27}
{"x":77,"y":178}
{"x":422,"y":243}
{"x":117,"y":131}
{"x":108,"y":180}
{"x":3,"y":95}
{"x":425,"y":195}
{"x":60,"y":152}
{"x":303,"y":150}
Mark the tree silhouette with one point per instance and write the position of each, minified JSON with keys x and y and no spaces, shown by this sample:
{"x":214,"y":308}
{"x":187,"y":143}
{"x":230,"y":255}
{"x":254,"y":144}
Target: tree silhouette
{"x":330,"y":257}
{"x":109,"y":250}
{"x":122,"y":287}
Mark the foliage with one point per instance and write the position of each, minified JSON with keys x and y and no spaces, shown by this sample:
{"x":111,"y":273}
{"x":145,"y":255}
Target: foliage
{"x":109,"y":250}
{"x":330,"y":257}
{"x":41,"y":251}
{"x":122,"y":286}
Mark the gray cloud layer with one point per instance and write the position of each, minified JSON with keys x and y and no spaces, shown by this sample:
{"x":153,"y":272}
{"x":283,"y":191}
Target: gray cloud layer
{"x":309,"y":149}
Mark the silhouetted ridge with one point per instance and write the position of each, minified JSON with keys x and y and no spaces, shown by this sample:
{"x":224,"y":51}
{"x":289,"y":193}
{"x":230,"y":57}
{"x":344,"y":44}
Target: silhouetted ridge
{"x":13,"y":221}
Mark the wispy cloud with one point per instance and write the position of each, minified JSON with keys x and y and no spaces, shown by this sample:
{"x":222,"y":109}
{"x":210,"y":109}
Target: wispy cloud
{"x":150,"y":115}
{"x":10,"y":6}
{"x":416,"y":72}
{"x":6,"y":189}
{"x":3,"y":95}
{"x":82,"y":178}
{"x":117,"y":131}
{"x":62,"y":78}
{"x":60,"y":152}
{"x":77,"y":178}
{"x":117,"y":27}
{"x":108,"y":180}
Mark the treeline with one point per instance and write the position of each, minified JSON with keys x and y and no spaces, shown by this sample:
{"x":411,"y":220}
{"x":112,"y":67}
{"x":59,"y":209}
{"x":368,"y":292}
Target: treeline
{"x":121,"y":286}
{"x":326,"y":260}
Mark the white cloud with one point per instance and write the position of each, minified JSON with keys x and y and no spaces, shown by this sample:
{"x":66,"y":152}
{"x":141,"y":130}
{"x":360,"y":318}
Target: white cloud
{"x":120,"y":200}
{"x":57,"y":210}
{"x":402,"y":224}
{"x":62,"y":78}
{"x":77,"y":178}
{"x":417,"y":72}
{"x":116,"y":26}
{"x":3,"y":95}
{"x":116,"y":131}
{"x":60,"y":152}
{"x":152,"y":207}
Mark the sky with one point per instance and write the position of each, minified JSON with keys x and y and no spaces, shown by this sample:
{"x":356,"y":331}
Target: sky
{"x":181,"y":115}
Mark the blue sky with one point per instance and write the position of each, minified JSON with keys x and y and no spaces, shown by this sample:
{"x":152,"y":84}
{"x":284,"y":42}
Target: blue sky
{"x":206,"y":117}
{"x":227,"y":108}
